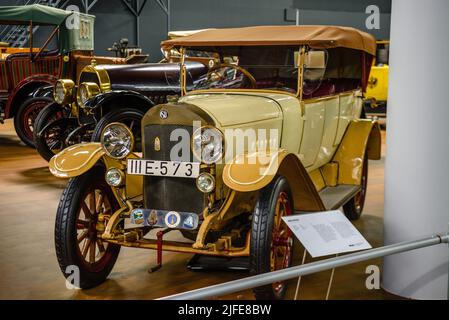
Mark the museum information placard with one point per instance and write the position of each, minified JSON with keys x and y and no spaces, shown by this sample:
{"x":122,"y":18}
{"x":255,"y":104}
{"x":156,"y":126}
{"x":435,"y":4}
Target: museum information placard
{"x":326,"y":233}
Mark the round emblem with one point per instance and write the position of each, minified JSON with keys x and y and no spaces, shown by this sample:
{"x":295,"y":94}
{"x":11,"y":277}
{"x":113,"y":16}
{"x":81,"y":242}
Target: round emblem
{"x":163,"y":114}
{"x":172,"y":219}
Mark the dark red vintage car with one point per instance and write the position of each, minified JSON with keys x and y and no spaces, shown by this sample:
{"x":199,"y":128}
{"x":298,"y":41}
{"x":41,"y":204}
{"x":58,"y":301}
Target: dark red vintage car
{"x":40,"y":44}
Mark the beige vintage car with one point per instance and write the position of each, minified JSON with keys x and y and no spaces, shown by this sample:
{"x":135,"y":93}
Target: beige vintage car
{"x":273,"y":129}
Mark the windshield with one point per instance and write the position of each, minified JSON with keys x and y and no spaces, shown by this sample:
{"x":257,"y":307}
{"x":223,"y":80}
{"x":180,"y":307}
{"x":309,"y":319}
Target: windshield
{"x":16,"y":38}
{"x":249,"y":67}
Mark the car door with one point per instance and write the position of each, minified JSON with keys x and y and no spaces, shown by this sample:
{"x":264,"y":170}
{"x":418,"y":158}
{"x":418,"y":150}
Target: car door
{"x":313,"y":128}
{"x":350,"y":108}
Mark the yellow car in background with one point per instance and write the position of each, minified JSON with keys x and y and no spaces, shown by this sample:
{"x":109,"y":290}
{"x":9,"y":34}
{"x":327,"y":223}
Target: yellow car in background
{"x":377,"y":90}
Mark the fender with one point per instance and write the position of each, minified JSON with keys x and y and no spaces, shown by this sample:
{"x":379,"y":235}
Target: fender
{"x":248,"y":173}
{"x":119,"y":98}
{"x":362,"y":139}
{"x":25,"y":88}
{"x":61,"y":121}
{"x":76,"y":160}
{"x":44,"y":91}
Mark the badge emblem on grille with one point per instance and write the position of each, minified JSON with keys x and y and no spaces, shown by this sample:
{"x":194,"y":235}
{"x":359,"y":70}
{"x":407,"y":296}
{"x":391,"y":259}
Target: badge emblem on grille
{"x":163,"y":114}
{"x":172,"y":219}
{"x":157,"y":144}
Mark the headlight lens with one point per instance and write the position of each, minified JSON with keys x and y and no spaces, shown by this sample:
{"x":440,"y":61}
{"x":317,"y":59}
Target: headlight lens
{"x":63,"y":91}
{"x":86,"y":91}
{"x":205,"y":182}
{"x":117,"y":140}
{"x":207,"y":144}
{"x":114,"y":177}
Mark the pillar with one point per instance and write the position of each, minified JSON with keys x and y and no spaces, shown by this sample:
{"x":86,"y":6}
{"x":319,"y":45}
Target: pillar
{"x":417,"y":156}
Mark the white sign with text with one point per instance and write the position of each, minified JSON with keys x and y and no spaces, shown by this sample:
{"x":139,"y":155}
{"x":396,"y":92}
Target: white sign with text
{"x":326,"y":233}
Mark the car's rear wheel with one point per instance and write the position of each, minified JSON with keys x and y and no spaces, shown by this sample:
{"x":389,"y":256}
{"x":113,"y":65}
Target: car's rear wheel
{"x":51,"y":129}
{"x":271,"y":240}
{"x":353,"y":208}
{"x":128,"y":116}
{"x":25,"y":118}
{"x":86,"y":203}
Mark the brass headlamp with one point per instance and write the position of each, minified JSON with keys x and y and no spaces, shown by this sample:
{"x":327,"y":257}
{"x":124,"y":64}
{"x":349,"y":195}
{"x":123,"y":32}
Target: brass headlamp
{"x":63,"y":91}
{"x":86,"y":90}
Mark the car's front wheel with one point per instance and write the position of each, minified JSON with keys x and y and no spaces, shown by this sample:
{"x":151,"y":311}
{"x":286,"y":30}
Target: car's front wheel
{"x":85,"y":205}
{"x":26,"y":116}
{"x":271,"y":240}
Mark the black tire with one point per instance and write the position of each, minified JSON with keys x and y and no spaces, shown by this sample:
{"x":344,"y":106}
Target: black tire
{"x":52,"y":126}
{"x":68,"y":222}
{"x":129,"y":116}
{"x":263,"y":246}
{"x":353,"y":208}
{"x":25,"y":118}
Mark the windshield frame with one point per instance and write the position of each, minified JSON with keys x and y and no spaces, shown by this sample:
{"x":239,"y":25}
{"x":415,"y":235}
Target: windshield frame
{"x":300,"y":63}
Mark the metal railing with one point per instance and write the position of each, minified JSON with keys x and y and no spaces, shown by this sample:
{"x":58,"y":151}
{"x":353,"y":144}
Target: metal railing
{"x":302,"y":270}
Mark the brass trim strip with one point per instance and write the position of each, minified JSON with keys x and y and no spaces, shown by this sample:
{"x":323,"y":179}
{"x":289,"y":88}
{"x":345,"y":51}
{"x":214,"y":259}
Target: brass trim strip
{"x":230,"y":91}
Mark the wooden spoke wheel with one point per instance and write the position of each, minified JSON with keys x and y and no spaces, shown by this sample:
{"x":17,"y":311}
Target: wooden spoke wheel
{"x":91,"y":248}
{"x":84,"y":209}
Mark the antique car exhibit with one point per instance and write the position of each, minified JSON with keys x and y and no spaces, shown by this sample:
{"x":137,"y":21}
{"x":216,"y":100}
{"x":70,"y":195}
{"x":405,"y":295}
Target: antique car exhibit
{"x":107,"y":93}
{"x":59,"y":44}
{"x":273,"y":129}
{"x":211,"y":153}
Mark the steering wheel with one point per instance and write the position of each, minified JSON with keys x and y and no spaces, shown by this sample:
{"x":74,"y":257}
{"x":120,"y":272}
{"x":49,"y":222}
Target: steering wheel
{"x":253,"y":82}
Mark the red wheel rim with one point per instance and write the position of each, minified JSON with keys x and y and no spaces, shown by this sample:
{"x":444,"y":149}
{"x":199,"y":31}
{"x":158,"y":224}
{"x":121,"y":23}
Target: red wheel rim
{"x":282,"y":239}
{"x":92,"y":250}
{"x":29,"y":116}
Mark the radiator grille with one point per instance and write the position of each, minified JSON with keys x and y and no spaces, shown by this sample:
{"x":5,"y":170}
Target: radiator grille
{"x":168,"y":193}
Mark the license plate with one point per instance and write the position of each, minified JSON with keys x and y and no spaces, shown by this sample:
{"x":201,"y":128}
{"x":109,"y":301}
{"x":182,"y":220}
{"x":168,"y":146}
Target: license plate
{"x":163,"y":168}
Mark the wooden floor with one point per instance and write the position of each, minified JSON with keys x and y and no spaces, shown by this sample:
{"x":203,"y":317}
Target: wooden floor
{"x":29,"y":196}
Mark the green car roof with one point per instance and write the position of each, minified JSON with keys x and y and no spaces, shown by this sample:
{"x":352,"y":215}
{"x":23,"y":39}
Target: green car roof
{"x":70,"y":39}
{"x":37,"y":13}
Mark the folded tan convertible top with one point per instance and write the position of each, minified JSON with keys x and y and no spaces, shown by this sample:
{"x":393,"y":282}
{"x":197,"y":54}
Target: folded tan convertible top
{"x":314,"y":36}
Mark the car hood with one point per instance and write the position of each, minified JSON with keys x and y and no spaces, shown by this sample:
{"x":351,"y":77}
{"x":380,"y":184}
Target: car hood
{"x":236,"y":108}
{"x":152,"y":77}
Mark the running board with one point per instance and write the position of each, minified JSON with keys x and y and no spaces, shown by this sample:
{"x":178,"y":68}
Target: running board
{"x":211,"y":263}
{"x":335,"y":197}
